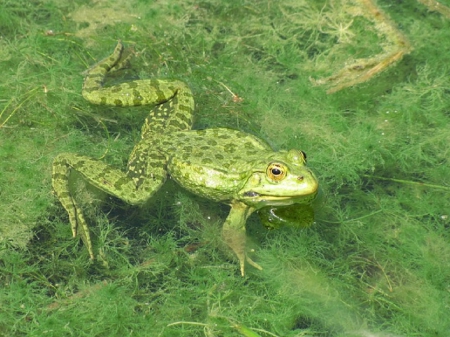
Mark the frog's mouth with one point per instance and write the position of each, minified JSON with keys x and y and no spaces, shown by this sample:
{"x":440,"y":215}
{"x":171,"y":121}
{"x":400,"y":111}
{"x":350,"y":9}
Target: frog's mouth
{"x":261,"y":200}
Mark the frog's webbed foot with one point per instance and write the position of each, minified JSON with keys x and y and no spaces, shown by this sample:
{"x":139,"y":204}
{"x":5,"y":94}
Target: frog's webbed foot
{"x":122,"y":57}
{"x":96,"y":74}
{"x":61,"y":186}
{"x":113,"y":62}
{"x":105,"y":178}
{"x":234,"y":235}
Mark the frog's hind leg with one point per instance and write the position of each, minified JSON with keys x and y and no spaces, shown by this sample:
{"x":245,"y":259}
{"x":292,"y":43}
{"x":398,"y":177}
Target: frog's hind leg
{"x":61,"y":187}
{"x":133,"y":93}
{"x":173,"y":115}
{"x":131,"y":189}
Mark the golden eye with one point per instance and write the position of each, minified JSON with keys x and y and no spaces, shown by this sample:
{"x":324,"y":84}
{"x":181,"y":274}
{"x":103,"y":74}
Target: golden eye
{"x":276,"y":171}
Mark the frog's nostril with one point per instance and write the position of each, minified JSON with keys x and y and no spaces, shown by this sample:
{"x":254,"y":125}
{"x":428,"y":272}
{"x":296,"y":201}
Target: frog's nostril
{"x":300,"y":178}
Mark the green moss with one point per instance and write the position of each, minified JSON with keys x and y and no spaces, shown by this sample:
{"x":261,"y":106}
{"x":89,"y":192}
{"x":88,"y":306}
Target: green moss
{"x":375,"y":262}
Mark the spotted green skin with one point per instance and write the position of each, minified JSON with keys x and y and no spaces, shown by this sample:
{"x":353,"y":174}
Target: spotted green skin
{"x":221,"y":164}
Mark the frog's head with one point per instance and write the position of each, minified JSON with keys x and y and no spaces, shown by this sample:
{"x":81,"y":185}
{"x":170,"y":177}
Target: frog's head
{"x":284,"y":180}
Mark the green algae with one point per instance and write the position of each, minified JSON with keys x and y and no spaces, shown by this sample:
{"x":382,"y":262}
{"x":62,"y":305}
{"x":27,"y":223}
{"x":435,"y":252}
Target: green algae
{"x":376,"y":262}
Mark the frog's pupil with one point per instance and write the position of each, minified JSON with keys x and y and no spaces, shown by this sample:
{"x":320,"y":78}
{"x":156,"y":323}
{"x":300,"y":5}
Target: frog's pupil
{"x":276,"y":171}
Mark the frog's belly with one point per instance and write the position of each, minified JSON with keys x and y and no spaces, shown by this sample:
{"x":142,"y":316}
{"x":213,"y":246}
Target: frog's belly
{"x":206,"y":181}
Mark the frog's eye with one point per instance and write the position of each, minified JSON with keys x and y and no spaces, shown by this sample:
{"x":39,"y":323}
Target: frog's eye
{"x":304,"y":155}
{"x":276,"y":171}
{"x":296,"y":157}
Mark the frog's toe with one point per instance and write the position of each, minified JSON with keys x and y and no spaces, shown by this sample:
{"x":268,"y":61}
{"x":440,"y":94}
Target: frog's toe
{"x":253,"y":263}
{"x":242,"y":264}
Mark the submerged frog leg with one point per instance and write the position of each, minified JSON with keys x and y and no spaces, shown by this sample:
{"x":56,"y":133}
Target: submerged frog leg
{"x":233,"y":232}
{"x":133,"y":189}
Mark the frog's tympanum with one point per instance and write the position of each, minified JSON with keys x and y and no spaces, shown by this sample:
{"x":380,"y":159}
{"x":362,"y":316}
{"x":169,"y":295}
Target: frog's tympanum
{"x":220,"y":164}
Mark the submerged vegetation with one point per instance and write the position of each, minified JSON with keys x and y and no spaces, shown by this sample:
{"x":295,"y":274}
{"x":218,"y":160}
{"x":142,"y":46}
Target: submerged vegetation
{"x":375,"y":263}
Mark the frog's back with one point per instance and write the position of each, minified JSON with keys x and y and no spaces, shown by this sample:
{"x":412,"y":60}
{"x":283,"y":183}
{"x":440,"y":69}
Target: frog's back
{"x":219,"y":148}
{"x":212,"y":162}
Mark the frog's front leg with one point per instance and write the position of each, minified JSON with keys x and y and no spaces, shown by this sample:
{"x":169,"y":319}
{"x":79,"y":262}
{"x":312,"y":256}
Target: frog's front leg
{"x":112,"y":181}
{"x":234,"y":235}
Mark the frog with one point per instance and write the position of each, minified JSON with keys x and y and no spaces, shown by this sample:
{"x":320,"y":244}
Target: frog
{"x":221,"y":164}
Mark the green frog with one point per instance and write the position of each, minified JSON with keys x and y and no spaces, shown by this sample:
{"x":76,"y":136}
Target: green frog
{"x":220,"y":164}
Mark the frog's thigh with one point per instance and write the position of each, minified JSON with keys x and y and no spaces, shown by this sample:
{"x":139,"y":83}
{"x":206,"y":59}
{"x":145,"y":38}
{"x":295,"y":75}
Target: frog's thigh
{"x":110,"y":180}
